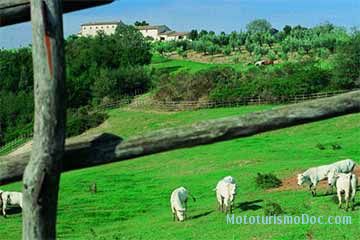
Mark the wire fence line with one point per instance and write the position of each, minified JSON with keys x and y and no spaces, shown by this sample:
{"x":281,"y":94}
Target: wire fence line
{"x":194,"y":105}
{"x":147,"y":104}
{"x":16,"y":143}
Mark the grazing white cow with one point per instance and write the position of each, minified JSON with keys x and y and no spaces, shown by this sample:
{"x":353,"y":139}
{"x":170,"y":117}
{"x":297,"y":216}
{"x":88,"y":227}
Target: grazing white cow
{"x":10,"y":198}
{"x":225,"y":193}
{"x":178,"y":201}
{"x":346,"y":183}
{"x":314,"y":175}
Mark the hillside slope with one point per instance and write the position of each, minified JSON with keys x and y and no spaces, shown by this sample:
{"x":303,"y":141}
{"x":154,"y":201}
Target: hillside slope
{"x":132,"y":201}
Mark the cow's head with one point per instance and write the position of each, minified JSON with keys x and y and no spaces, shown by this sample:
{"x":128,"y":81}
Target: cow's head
{"x":232,"y":191}
{"x":301,"y":179}
{"x":180,"y":214}
{"x":332,"y":176}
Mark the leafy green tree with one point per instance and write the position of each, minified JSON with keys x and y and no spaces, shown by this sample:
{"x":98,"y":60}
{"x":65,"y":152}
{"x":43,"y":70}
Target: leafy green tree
{"x":203,"y":33}
{"x":130,"y":47}
{"x":258,"y":26}
{"x":287,"y":29}
{"x":142,"y":23}
{"x":227,"y":51}
{"x":346,"y":73}
{"x":194,"y":35}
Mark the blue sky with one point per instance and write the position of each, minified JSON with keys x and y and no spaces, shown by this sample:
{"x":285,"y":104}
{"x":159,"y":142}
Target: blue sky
{"x":217,"y":15}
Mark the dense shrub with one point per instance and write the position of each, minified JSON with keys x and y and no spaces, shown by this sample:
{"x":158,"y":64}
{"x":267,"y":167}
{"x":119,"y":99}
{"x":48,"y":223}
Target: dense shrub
{"x":274,"y":82}
{"x":267,"y":181}
{"x":120,"y":82}
{"x":272,"y":209}
{"x":192,"y":87}
{"x":83,"y":120}
{"x":224,"y":83}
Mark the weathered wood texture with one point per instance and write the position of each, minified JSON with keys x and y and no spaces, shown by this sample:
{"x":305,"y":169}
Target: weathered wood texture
{"x":108,"y":148}
{"x":42,"y":174}
{"x":17,"y":11}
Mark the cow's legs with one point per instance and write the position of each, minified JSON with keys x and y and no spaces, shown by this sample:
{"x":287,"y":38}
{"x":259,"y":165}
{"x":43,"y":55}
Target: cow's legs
{"x":353,"y":193}
{"x":310,"y":189}
{"x":347,"y":196}
{"x":4,"y":208}
{"x":313,"y":191}
{"x":222,"y":204}
{"x":174,"y":214}
{"x":339,"y":198}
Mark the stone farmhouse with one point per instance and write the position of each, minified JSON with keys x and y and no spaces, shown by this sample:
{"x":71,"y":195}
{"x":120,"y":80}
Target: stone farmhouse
{"x":156,"y":33}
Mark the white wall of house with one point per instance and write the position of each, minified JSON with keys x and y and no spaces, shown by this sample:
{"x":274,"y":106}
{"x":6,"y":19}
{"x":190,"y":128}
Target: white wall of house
{"x":153,"y":33}
{"x":166,"y":37}
{"x":92,"y":30}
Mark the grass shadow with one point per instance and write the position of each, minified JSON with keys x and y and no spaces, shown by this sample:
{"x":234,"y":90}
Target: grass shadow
{"x":169,"y":69}
{"x":250,"y":205}
{"x":13,"y":210}
{"x":201,"y":215}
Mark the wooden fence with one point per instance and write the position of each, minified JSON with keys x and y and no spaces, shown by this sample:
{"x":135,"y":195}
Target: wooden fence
{"x":194,"y":105}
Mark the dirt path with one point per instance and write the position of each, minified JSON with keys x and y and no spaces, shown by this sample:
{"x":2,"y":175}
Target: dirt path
{"x":290,"y":184}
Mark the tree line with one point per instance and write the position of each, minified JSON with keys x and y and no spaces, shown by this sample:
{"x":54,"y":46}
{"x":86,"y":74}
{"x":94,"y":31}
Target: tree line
{"x":97,"y":70}
{"x":262,"y":40}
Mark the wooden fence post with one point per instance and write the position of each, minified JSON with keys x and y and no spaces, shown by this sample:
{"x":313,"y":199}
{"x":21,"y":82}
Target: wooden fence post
{"x":42,"y":174}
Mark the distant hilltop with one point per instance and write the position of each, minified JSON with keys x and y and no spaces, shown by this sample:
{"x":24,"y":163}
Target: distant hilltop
{"x":154,"y":32}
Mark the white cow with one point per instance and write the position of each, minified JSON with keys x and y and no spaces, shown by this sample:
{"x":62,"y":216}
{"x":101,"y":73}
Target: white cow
{"x":178,"y":201}
{"x":314,"y":175}
{"x":344,"y":166}
{"x":10,"y":198}
{"x":225,"y":193}
{"x":346,"y":183}
{"x":260,"y":63}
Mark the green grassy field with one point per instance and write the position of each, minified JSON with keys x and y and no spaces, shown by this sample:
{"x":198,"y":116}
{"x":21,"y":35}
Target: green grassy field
{"x":176,"y":65}
{"x":132,"y":201}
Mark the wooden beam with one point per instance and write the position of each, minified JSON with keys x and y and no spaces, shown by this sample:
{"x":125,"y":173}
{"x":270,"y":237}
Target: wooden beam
{"x":18,"y":11}
{"x":107,"y":148}
{"x":42,"y":173}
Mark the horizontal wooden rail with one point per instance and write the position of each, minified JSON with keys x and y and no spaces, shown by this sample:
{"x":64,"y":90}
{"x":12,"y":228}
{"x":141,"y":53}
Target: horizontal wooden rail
{"x":108,"y":148}
{"x":17,"y":11}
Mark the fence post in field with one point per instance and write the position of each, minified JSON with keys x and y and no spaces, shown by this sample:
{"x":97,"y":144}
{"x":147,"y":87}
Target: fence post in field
{"x":42,"y":174}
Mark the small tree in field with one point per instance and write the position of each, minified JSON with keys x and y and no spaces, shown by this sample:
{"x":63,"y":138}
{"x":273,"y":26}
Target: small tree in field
{"x":258,"y":26}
